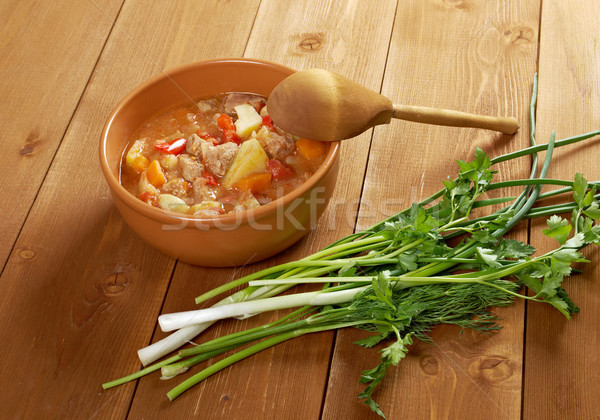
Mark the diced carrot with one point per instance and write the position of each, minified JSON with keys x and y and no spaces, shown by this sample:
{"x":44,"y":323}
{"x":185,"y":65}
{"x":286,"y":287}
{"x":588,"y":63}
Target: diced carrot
{"x":140,"y":164}
{"x":255,"y":182}
{"x":155,"y":174}
{"x":310,"y":149}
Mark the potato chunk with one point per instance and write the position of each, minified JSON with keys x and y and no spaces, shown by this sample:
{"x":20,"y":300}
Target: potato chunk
{"x":248,"y":120}
{"x":250,"y":159}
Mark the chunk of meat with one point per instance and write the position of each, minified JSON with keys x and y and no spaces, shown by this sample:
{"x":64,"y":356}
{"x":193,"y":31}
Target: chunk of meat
{"x":234,"y":99}
{"x":206,"y":105}
{"x":276,"y":145}
{"x":190,"y":167}
{"x":178,"y":187}
{"x":218,"y":158}
{"x":201,"y":190}
{"x":193,"y":146}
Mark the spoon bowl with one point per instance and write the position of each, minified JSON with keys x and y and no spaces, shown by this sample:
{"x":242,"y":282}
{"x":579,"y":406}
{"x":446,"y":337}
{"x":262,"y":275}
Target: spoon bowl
{"x":321,"y":105}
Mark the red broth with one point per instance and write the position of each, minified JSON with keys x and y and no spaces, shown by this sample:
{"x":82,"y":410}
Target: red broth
{"x":216,"y":156}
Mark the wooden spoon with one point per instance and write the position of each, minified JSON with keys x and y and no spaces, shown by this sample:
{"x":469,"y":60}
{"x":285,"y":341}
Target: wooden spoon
{"x":321,"y":105}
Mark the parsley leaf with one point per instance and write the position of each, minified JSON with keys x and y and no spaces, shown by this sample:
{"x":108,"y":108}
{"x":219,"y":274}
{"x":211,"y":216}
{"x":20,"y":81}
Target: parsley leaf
{"x":488,"y":257}
{"x":592,"y":211}
{"x":382,"y":289}
{"x":407,"y":262}
{"x":558,"y":228}
{"x":579,"y":189}
{"x":511,"y":248}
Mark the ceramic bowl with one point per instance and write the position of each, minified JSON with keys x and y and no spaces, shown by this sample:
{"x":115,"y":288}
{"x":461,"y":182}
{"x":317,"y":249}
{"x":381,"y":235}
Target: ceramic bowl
{"x":225,"y":240}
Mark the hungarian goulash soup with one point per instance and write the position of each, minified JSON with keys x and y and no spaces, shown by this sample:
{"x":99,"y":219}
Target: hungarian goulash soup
{"x":216,"y":156}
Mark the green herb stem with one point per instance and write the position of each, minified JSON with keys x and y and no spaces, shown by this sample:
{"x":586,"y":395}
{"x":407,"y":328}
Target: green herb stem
{"x":140,"y":373}
{"x":249,"y":351}
{"x":543,"y":147}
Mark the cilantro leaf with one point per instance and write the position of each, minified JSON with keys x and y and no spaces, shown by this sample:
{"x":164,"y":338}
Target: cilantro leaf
{"x":550,"y":285}
{"x":370,"y":341}
{"x":589,"y":197}
{"x":483,"y":237}
{"x":558,"y":228}
{"x":482,"y":160}
{"x":407,"y":262}
{"x":559,"y":299}
{"x":422,"y":221}
{"x":577,"y":241}
{"x":488,"y":257}
{"x":568,"y":255}
{"x":397,"y":350}
{"x":382,"y":289}
{"x":511,"y":248}
{"x":372,"y":378}
{"x":449,"y":184}
{"x":579,"y":189}
{"x":374,"y":407}
{"x":390,"y":356}
{"x":592,"y":236}
{"x":592,"y":211}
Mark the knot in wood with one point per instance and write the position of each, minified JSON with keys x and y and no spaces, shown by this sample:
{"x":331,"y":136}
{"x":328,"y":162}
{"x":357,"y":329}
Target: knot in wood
{"x":429,"y":365}
{"x":31,"y":142}
{"x":115,"y":283}
{"x":519,"y":35}
{"x":311,"y":42}
{"x":27,"y":254}
{"x":492,"y":369}
{"x":26,"y":150}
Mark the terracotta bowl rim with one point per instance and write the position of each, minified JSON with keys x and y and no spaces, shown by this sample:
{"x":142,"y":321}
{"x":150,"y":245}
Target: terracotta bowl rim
{"x":170,"y":217}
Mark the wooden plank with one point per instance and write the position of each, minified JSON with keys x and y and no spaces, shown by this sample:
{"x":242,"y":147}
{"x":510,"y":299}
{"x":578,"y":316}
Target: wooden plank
{"x":477,"y":63}
{"x":46,"y":58}
{"x":561,"y":364}
{"x":81,"y":292}
{"x":309,"y":33}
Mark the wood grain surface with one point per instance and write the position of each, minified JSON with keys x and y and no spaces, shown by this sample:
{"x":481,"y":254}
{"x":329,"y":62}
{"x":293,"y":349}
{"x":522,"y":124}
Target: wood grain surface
{"x":81,"y":292}
{"x":561,"y":374}
{"x":46,"y":59}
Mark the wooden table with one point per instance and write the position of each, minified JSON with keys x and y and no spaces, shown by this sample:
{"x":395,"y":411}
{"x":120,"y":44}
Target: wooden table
{"x":81,"y":292}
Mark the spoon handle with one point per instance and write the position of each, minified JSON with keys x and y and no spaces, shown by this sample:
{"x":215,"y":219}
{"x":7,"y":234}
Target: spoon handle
{"x":421,"y":114}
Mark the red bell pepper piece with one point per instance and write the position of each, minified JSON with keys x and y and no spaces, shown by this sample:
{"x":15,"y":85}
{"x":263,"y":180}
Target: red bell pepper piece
{"x":227,"y":127}
{"x":206,"y":136}
{"x":279,"y":170}
{"x":175,"y":147}
{"x":268,"y":122}
{"x":210,"y":178}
